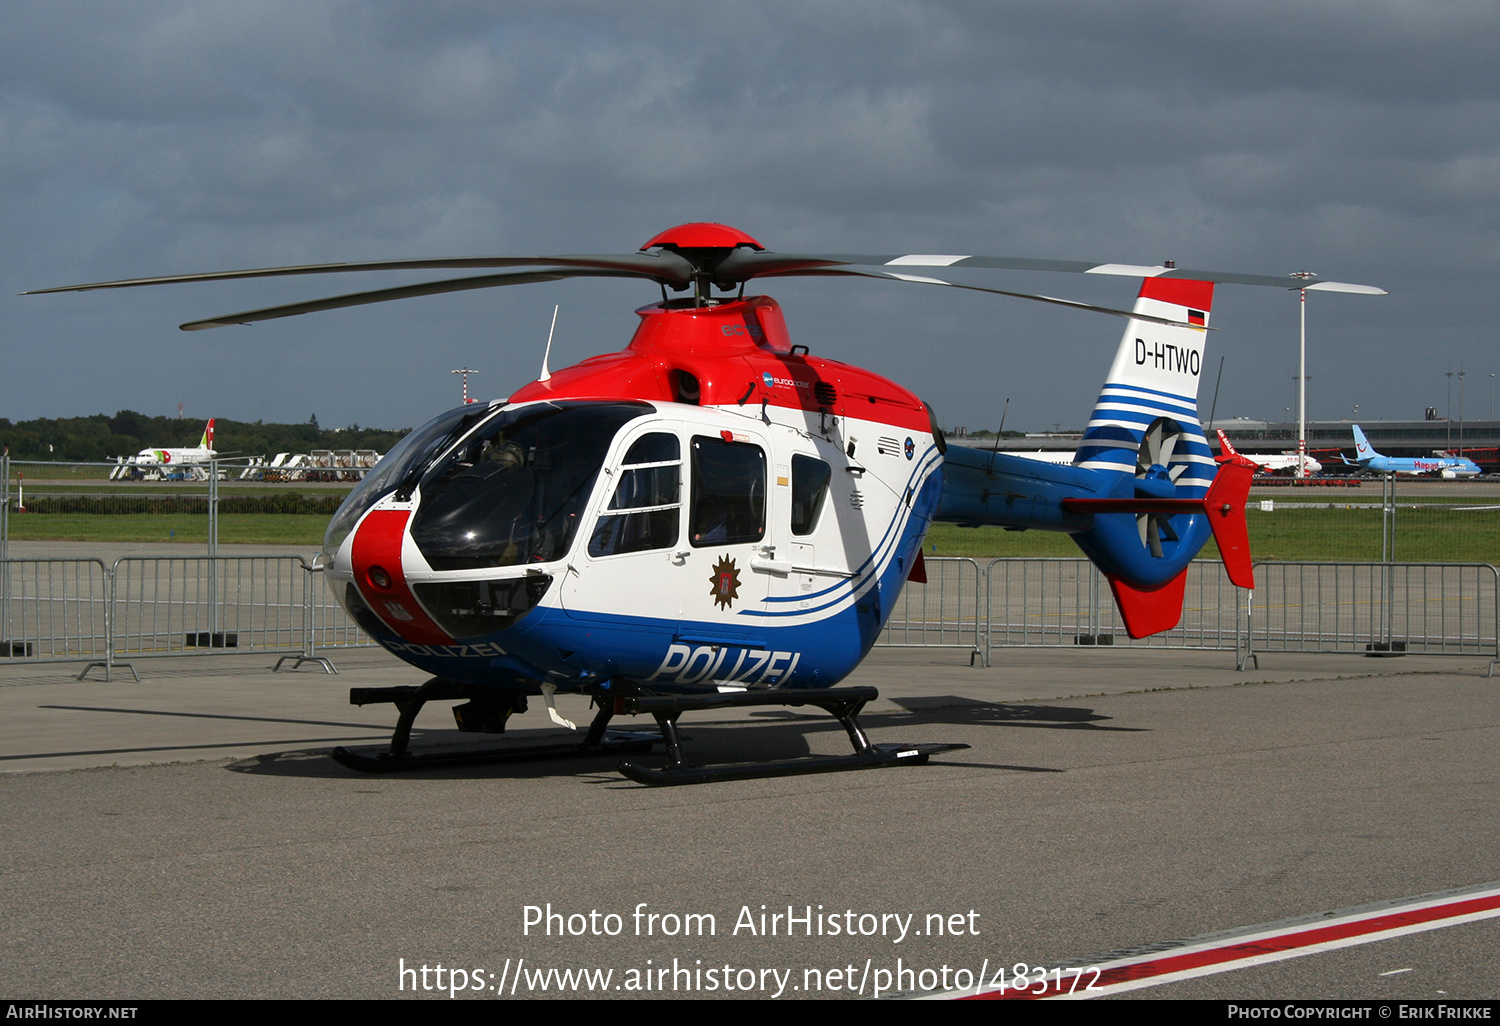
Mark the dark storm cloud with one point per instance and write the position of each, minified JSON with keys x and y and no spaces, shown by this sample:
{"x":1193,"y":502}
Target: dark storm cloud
{"x":1358,"y":139}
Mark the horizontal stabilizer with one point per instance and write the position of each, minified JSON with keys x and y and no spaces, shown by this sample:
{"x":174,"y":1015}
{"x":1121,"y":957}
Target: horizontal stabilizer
{"x":1149,"y":612}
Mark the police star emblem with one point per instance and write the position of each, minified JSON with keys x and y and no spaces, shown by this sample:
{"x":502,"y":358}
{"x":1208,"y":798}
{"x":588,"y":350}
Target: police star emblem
{"x":725,"y":581}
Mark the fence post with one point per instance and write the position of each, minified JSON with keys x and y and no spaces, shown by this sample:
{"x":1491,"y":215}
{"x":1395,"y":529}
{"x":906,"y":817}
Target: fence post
{"x":988,"y":607}
{"x":109,"y":625}
{"x":1496,"y":658}
{"x":1388,"y":518}
{"x":1247,"y":654}
{"x":1387,"y":557}
{"x":309,"y":623}
{"x":110,"y":577}
{"x":5,"y":639}
{"x":1096,"y":616}
{"x":1243,"y":654}
{"x":213,"y":550}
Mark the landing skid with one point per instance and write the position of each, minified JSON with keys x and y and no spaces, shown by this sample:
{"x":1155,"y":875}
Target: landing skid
{"x":409,"y":701}
{"x":844,"y":704}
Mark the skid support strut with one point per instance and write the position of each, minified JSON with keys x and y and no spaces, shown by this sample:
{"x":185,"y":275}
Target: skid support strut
{"x":844,"y":704}
{"x":409,"y":701}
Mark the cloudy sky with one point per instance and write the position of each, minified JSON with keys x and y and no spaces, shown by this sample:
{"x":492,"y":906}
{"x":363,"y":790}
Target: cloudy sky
{"x":1356,"y":139}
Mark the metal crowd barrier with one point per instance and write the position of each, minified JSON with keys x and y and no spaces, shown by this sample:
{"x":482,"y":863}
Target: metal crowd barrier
{"x":328,"y":625}
{"x":1040,"y":602}
{"x":1373,"y":608}
{"x":1067,"y":601}
{"x":54,"y":611}
{"x":946,"y":612}
{"x":1376,"y":608}
{"x":71,"y":610}
{"x":168,"y":605}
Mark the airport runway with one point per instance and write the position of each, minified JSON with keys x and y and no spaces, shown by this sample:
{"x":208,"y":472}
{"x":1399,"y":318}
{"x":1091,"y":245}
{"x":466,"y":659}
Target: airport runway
{"x":188,"y":837}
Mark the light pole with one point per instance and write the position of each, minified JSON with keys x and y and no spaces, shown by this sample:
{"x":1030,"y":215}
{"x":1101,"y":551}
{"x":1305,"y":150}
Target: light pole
{"x":1302,"y":377}
{"x":1448,"y":411}
{"x":1460,"y":410}
{"x":465,"y":371}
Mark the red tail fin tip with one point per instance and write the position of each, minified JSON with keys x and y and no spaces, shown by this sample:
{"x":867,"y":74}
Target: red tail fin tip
{"x":1225,"y":504}
{"x":1149,"y":612}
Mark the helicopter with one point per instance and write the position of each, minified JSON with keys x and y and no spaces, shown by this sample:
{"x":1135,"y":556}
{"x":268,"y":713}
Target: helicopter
{"x":714,"y":517}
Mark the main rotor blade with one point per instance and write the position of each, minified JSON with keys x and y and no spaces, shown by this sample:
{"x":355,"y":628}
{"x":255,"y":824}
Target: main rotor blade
{"x":430,"y":288}
{"x":921,"y":280}
{"x":677,"y":270}
{"x":664,"y":266}
{"x":744,"y":264}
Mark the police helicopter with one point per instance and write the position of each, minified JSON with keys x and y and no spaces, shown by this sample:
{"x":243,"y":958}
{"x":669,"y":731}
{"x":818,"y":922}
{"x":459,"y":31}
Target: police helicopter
{"x":716,"y":517}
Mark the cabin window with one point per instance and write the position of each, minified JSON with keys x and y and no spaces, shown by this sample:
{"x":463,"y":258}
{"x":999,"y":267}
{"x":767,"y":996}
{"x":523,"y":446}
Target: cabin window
{"x":729,"y":492}
{"x":810,"y":477}
{"x":643,"y":512}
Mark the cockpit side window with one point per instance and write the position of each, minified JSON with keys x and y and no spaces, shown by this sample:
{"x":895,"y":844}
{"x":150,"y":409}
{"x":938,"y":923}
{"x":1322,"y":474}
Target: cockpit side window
{"x":514,"y":490}
{"x":729,"y":492}
{"x":810,"y":477}
{"x":644,"y":511}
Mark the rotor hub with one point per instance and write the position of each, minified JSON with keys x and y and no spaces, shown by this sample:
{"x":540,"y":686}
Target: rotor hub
{"x":705,"y":246}
{"x":702,"y":235}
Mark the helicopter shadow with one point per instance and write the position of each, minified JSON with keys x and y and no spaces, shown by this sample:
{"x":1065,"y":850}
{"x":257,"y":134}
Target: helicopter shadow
{"x":763,"y":736}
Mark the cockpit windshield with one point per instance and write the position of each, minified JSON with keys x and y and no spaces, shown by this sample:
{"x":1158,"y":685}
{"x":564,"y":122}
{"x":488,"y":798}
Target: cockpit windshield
{"x":513,"y":490}
{"x":412,"y":454}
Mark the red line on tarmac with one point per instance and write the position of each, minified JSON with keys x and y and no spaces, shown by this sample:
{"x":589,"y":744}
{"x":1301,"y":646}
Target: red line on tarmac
{"x":1258,"y":946}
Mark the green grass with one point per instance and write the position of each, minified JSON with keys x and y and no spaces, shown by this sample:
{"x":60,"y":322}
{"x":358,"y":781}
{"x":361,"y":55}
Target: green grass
{"x":187,"y":528}
{"x":58,"y":472}
{"x":1343,"y":535}
{"x":1283,"y":534}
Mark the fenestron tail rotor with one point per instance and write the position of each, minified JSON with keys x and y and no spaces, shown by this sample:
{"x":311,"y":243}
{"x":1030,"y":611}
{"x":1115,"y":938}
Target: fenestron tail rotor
{"x":1156,"y":476}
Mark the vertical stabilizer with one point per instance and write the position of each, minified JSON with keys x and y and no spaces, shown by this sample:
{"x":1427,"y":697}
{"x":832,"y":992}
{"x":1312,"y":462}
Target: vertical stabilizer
{"x":207,"y":441}
{"x":1145,"y":433}
{"x":1154,"y":378}
{"x":1226,"y":515}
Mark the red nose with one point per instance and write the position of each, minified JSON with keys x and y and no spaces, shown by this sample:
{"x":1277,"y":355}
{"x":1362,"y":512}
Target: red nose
{"x":379,"y":576}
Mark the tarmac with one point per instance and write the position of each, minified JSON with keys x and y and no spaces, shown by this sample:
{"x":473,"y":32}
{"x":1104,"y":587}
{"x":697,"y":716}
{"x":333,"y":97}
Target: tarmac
{"x":225,"y":706}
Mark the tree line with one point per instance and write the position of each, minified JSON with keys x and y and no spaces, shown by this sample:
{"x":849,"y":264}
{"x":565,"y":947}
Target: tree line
{"x":100,"y":437}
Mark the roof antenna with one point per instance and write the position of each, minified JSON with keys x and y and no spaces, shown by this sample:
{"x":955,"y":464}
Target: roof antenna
{"x":998,"y":434}
{"x":1215,"y":407}
{"x":546,"y":374}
